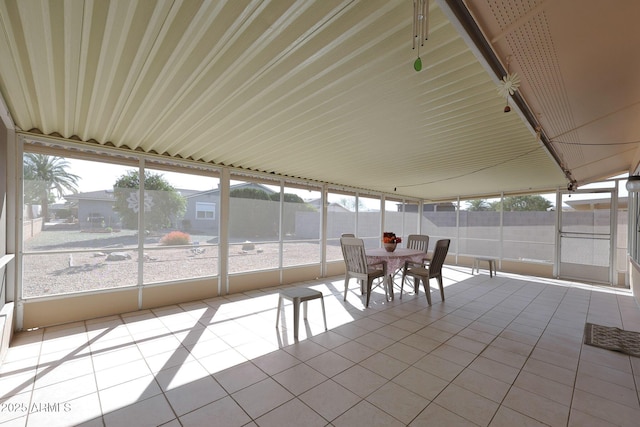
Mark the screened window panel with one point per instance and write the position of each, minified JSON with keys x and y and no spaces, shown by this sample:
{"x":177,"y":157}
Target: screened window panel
{"x":369,"y":217}
{"x":302,"y":223}
{"x":74,"y":240}
{"x":341,"y":218}
{"x":45,"y":274}
{"x":178,"y":243}
{"x":254,"y":226}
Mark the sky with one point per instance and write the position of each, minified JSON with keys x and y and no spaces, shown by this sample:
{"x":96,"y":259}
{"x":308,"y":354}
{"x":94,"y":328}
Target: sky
{"x":97,"y":176}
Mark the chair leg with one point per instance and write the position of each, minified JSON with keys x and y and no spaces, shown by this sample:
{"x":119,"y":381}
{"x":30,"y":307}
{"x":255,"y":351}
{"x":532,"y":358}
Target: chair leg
{"x":439,"y":278}
{"x":369,"y":284}
{"x":346,"y":287}
{"x":427,"y":288}
{"x":324,"y":316}
{"x":278,"y":312}
{"x":402,"y":285}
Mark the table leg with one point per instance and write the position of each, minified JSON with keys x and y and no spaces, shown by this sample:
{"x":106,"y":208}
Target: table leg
{"x":296,"y":317}
{"x":389,"y":287}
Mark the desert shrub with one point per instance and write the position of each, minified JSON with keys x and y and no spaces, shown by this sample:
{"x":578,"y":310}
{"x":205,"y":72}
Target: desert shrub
{"x":175,"y":238}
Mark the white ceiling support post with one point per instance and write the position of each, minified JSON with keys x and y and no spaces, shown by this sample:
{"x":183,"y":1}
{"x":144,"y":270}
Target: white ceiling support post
{"x":382,"y":217}
{"x":10,"y":203}
{"x":457,"y":228}
{"x":281,"y":232}
{"x":613,"y":224}
{"x":404,"y":216}
{"x":357,"y":211}
{"x":501,"y":248}
{"x":632,"y":245}
{"x":141,"y":230}
{"x":223,"y":232}
{"x":556,"y":261}
{"x":15,"y":237}
{"x":323,"y":230}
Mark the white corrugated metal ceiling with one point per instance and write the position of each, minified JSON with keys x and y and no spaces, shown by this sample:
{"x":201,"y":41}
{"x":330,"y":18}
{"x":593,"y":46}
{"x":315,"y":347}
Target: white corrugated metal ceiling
{"x":321,"y":90}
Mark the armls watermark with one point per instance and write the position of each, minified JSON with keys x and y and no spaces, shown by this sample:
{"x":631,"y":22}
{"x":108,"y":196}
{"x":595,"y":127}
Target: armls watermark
{"x":35,"y":407}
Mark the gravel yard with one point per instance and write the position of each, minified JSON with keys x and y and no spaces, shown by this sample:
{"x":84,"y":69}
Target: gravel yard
{"x":86,"y":263}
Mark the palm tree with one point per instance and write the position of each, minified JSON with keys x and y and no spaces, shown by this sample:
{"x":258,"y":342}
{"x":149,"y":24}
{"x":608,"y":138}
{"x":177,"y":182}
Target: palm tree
{"x":46,"y":177}
{"x":478,"y":205}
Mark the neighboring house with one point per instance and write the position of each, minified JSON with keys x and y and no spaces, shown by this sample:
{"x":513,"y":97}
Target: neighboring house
{"x":593,"y":204}
{"x":331,"y":207}
{"x":202,"y":208}
{"x":202,"y":212}
{"x":95,"y":209}
{"x":59,"y":210}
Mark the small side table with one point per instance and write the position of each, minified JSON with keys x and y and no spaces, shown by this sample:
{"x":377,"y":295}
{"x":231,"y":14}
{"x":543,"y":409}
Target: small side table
{"x":492,"y":265}
{"x":297,"y":296}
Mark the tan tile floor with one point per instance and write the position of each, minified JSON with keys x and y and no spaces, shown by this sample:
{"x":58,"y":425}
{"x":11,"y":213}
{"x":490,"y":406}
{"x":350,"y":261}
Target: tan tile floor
{"x":505,"y":351}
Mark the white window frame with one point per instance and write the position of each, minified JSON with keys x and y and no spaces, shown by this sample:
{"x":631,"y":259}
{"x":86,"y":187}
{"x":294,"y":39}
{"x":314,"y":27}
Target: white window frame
{"x":208,"y":204}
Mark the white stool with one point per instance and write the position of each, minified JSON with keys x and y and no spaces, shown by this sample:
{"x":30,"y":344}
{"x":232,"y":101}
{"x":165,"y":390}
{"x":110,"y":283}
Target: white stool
{"x":298,"y":295}
{"x":492,"y":265}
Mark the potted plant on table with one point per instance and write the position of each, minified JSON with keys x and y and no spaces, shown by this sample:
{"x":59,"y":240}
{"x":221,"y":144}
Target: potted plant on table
{"x":390,"y":241}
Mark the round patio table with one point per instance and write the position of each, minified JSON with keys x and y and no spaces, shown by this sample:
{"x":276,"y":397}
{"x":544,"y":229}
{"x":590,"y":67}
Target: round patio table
{"x":395,"y":262}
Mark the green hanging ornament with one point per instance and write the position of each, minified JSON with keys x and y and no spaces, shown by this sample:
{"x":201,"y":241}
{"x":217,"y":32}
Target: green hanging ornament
{"x":417,"y":64}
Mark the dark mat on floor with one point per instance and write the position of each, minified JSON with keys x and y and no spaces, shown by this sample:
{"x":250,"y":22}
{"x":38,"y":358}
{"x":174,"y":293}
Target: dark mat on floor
{"x":611,"y":338}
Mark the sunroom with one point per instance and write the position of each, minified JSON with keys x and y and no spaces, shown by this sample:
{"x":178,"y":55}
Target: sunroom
{"x":313,"y":105}
{"x":157,"y":153}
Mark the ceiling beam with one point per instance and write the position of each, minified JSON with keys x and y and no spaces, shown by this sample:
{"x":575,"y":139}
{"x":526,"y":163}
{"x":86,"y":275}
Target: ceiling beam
{"x":456,"y":9}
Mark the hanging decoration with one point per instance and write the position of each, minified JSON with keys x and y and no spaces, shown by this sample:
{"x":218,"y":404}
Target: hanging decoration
{"x":420,"y":28}
{"x":508,"y":85}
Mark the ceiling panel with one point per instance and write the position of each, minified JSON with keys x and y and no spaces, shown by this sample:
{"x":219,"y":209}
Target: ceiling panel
{"x":579,"y":75}
{"x":319,"y":90}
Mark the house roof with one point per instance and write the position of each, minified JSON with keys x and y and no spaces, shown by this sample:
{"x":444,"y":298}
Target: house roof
{"x":600,"y":203}
{"x":326,"y":91}
{"x":331,"y":206}
{"x":106,"y":195}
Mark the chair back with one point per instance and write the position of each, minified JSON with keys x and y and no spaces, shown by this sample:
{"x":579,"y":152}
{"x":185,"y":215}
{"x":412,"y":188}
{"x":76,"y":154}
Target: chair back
{"x":439,"y":255}
{"x":354,"y":255}
{"x":348,"y":235}
{"x":419,"y":242}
